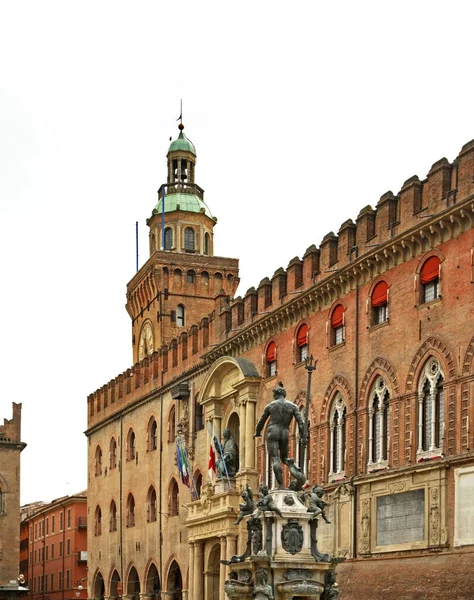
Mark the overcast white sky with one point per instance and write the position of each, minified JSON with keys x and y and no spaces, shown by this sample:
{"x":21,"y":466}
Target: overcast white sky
{"x":301,"y":112}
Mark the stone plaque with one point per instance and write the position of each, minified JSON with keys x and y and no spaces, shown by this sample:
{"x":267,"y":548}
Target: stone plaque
{"x":401,"y":518}
{"x":464,"y":506}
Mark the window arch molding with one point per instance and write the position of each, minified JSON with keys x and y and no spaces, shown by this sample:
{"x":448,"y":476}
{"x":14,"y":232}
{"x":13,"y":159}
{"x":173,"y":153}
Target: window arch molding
{"x":380,"y":366}
{"x":172,"y":424}
{"x":336,"y":324}
{"x":378,"y":423}
{"x":131,"y":445}
{"x":435,"y":346}
{"x":270,"y":358}
{"x":338,"y":384}
{"x":113,"y":453}
{"x":98,"y":460}
{"x":301,"y":342}
{"x":236,"y":380}
{"x":338,"y":431}
{"x":152,"y":435}
{"x":422,"y":264}
{"x":431,"y":409}
{"x":378,"y":302}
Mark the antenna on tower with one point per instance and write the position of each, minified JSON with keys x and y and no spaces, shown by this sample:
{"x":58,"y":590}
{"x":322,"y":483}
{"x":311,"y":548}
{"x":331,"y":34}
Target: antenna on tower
{"x":180,"y":118}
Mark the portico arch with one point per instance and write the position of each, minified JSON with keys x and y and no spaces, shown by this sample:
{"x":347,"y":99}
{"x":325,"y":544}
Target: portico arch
{"x":229,"y":395}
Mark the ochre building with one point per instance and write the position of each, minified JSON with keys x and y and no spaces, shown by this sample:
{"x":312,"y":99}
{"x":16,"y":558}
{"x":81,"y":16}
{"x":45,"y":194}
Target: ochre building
{"x":386,"y":309}
{"x":10,"y":448}
{"x":57,"y":548}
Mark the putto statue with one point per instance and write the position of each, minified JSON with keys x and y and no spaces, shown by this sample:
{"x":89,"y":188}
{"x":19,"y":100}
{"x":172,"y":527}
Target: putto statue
{"x":317,"y":504}
{"x":280,"y":412}
{"x":228,"y":462}
{"x":247,"y":506}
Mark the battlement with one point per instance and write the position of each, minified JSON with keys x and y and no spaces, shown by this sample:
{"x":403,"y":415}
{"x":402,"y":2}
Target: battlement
{"x":396,"y":220}
{"x":10,"y":431}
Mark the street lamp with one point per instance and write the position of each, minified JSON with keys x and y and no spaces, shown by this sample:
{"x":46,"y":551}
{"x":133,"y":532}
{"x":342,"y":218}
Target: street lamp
{"x":310,"y":366}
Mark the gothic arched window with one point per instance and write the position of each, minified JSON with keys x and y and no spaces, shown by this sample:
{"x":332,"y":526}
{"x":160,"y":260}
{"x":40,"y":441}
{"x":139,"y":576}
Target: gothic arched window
{"x":337,"y":443}
{"x":430,"y":410}
{"x":379,"y":425}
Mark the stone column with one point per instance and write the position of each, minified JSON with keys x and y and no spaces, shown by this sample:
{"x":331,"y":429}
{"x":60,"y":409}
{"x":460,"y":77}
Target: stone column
{"x":223,"y":568}
{"x":198,"y":588}
{"x":249,"y":432}
{"x":191,"y":569}
{"x":371,"y":429}
{"x":420,"y":422}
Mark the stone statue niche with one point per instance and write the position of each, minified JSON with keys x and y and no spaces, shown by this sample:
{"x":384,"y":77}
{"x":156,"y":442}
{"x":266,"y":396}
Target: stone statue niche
{"x":281,"y":559}
{"x":228,"y":462}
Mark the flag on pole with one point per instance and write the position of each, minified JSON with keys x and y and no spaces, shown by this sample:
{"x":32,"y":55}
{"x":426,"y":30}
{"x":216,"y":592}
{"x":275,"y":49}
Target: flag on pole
{"x":212,"y":469}
{"x":183,"y":465}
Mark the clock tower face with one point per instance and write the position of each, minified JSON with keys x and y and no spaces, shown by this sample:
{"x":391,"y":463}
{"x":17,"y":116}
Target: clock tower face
{"x":145,"y":345}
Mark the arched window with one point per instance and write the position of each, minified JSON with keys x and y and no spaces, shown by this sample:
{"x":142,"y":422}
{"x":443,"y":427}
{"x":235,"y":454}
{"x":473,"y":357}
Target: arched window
{"x":429,"y":279}
{"x":191,"y":276}
{"x":271,"y":361}
{"x":302,"y":338}
{"x":98,"y":521}
{"x":172,"y":425}
{"x":2,"y":502}
{"x":430,"y":410}
{"x":113,"y":517}
{"x":168,"y":238}
{"x":151,"y":505}
{"x":131,"y":451}
{"x":199,"y":414}
{"x":337,"y":325}
{"x":113,"y":454}
{"x":180,"y":315}
{"x":152,"y":437}
{"x":379,"y":301}
{"x":98,"y":461}
{"x":189,"y":239}
{"x":207,"y":243}
{"x":130,"y":511}
{"x":173,"y":499}
{"x":379,"y":425}
{"x":337,"y":445}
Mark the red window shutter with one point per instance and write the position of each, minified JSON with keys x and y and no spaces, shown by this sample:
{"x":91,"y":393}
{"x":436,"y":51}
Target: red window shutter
{"x":430,"y":270}
{"x":271,"y":352}
{"x":380,"y":294}
{"x":302,"y":336}
{"x":337,"y":317}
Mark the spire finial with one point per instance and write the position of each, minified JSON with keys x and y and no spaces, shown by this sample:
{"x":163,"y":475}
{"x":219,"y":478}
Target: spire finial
{"x":180,"y":118}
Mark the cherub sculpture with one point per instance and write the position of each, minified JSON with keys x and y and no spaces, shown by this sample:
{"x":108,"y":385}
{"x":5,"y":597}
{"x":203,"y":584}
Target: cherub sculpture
{"x":266,"y":502}
{"x":247,"y":506}
{"x":317,"y":504}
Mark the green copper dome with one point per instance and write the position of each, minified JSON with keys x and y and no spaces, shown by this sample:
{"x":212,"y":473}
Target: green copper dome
{"x":182,"y":143}
{"x":186,"y":202}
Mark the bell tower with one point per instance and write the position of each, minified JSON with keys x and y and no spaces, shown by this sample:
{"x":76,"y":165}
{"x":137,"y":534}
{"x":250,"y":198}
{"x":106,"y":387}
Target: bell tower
{"x":176,"y":288}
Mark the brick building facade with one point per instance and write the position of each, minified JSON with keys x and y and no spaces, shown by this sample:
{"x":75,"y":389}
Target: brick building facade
{"x":57,"y":549}
{"x":10,"y":449}
{"x":386,"y":308}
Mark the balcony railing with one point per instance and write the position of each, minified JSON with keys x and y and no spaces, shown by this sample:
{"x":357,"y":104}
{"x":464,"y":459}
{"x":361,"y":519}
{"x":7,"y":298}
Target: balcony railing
{"x":82,"y":523}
